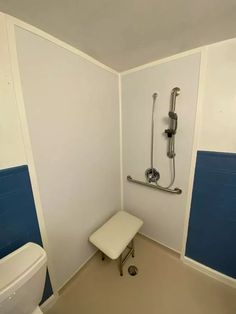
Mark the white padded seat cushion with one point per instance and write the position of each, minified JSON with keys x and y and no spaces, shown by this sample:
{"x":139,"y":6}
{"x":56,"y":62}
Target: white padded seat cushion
{"x":114,"y":236}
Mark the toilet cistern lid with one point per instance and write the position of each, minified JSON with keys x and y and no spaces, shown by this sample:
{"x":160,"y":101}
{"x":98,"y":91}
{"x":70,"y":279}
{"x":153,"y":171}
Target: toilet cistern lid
{"x":17,"y":267}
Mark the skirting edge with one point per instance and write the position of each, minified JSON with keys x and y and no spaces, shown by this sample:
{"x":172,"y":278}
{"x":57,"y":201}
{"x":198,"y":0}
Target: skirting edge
{"x":210,"y":272}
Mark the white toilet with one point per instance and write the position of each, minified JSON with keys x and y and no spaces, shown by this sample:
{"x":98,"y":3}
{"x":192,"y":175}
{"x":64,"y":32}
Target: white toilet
{"x":22,"y":278}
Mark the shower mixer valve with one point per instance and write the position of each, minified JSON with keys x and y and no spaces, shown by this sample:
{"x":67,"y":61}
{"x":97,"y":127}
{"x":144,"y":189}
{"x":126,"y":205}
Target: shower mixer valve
{"x":152,"y":175}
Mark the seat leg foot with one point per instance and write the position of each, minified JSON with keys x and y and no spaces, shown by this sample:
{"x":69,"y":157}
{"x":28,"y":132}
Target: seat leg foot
{"x":103,"y":256}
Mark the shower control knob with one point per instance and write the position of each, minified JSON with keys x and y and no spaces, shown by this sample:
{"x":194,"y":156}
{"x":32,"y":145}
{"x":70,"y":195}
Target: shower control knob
{"x":152,"y":175}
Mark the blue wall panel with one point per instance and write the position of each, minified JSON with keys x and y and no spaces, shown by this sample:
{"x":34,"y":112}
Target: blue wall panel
{"x":212,"y":224}
{"x":18,"y":219}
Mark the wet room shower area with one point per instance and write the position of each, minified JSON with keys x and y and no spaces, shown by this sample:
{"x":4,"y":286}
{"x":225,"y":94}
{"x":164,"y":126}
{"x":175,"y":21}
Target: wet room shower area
{"x":162,"y":210}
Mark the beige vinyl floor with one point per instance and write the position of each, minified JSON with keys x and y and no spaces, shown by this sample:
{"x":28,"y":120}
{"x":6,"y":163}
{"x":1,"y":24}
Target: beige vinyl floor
{"x":164,"y":285}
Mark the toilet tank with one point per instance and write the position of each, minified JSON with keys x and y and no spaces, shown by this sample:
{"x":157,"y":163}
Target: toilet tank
{"x":22,"y":279}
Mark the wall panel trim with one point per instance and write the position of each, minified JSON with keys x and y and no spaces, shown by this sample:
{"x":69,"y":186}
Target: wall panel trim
{"x":229,"y":281}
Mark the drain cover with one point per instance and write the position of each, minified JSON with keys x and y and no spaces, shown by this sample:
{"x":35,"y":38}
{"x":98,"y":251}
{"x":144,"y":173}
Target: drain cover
{"x":133,"y":270}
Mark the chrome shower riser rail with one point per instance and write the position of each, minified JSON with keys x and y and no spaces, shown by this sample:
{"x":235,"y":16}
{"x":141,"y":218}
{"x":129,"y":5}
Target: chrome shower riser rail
{"x":153,"y":186}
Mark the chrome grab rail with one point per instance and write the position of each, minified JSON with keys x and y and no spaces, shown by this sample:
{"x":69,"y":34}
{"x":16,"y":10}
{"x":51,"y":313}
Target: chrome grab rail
{"x":157,"y":187}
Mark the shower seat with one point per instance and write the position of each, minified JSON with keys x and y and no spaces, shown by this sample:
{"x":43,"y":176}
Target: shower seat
{"x":116,"y":235}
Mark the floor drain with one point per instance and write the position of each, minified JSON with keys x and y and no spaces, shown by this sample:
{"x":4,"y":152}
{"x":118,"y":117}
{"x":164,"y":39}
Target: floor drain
{"x":133,"y":270}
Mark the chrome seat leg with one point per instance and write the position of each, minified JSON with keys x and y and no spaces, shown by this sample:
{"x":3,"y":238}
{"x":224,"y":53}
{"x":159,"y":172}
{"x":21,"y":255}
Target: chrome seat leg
{"x":103,"y":256}
{"x":133,"y":250}
{"x":121,"y":265}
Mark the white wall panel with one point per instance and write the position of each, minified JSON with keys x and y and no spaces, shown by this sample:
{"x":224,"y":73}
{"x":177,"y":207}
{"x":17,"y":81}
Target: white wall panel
{"x":163,"y":213}
{"x":12,"y":147}
{"x":218,"y":127}
{"x":72,"y":109}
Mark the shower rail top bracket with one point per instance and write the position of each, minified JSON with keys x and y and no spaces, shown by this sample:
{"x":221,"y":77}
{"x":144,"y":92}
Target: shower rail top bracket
{"x":153,"y":186}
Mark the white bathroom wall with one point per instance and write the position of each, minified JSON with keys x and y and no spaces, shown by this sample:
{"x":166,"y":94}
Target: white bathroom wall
{"x":163,"y":213}
{"x":72,"y":109}
{"x":12,"y":136}
{"x":218,"y":127}
{"x":12,"y":147}
{"x":213,"y":205}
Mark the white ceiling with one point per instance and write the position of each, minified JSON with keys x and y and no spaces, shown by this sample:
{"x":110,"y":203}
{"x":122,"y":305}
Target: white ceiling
{"x":126,"y":33}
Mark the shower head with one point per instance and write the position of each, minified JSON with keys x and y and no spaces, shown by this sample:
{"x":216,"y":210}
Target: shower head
{"x":173,"y":115}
